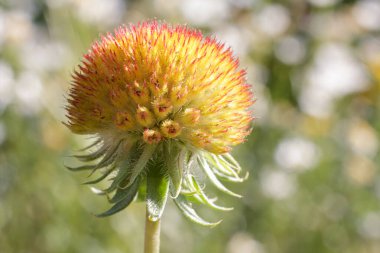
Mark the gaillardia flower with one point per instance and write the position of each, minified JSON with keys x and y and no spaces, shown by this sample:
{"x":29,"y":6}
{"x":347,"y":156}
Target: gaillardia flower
{"x":164,"y":103}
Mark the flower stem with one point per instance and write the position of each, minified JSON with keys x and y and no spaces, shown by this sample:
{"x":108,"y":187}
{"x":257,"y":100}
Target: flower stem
{"x":152,"y":235}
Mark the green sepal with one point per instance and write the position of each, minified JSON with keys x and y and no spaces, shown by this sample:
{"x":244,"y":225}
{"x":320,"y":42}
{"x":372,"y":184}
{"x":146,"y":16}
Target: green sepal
{"x":156,"y":194}
{"x":128,"y":196}
{"x":107,"y":160}
{"x":190,"y":213}
{"x":141,"y":163}
{"x":194,"y":199}
{"x":109,"y":156}
{"x":107,"y":151}
{"x":92,"y":156}
{"x":81,"y":168}
{"x":96,"y":142}
{"x":221,"y":165}
{"x":205,"y":200}
{"x":122,"y":180}
{"x":103,"y":176}
{"x":187,"y":192}
{"x":141,"y":194}
{"x":223,"y":169}
{"x":228,"y":158}
{"x":175,"y":166}
{"x":121,"y":193}
{"x":229,"y":178}
{"x":206,"y":168}
{"x":117,"y":181}
{"x":121,"y":175}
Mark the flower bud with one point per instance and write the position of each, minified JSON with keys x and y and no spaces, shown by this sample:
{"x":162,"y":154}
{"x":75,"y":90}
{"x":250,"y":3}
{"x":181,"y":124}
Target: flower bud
{"x":162,"y":107}
{"x":165,"y":104}
{"x":139,"y":93}
{"x":152,"y":136}
{"x":170,"y":128}
{"x":144,"y":116}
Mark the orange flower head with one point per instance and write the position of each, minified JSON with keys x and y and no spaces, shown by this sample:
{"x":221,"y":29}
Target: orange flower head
{"x":163,"y":89}
{"x":157,"y":73}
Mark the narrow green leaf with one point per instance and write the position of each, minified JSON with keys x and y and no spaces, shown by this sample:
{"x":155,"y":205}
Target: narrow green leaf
{"x":81,"y":168}
{"x":231,"y":161}
{"x":157,"y":194}
{"x":229,"y":178}
{"x":141,"y":194}
{"x":110,"y":155}
{"x":121,"y":175}
{"x":108,"y":159}
{"x":175,"y":168}
{"x":96,"y":142}
{"x":206,"y":168}
{"x":206,"y":200}
{"x":130,"y":193}
{"x":194,"y":199}
{"x":141,"y":162}
{"x":223,"y":166}
{"x":103,"y":176}
{"x":122,"y":193}
{"x":187,"y":185}
{"x":190,"y":213}
{"x":120,"y":180}
{"x":92,"y":156}
{"x":187,"y":192}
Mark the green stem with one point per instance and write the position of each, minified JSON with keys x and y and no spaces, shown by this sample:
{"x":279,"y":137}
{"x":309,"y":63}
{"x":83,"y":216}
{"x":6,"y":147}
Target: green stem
{"x":152,"y":235}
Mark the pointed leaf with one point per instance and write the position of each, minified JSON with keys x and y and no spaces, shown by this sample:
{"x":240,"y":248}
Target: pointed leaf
{"x":229,"y":178}
{"x":157,"y":194}
{"x":81,"y":168}
{"x":122,"y":193}
{"x":119,"y":180}
{"x":121,"y":175}
{"x":141,"y":162}
{"x":110,"y":155}
{"x":223,"y":166}
{"x":92,"y":156}
{"x":187,"y":185}
{"x":206,"y":168}
{"x":231,"y":161}
{"x":206,"y":200}
{"x":175,"y":170}
{"x":107,"y":160}
{"x":103,"y":176}
{"x":97,"y":141}
{"x":190,"y":213}
{"x":188,"y":193}
{"x":141,"y":194}
{"x":130,"y":193}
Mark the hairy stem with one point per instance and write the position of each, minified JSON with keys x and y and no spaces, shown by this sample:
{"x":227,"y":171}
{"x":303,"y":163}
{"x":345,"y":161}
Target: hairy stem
{"x":152,"y":235}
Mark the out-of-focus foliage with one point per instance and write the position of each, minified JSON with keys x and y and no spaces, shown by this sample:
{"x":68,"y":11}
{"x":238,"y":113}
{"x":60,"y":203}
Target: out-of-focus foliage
{"x":313,"y":156}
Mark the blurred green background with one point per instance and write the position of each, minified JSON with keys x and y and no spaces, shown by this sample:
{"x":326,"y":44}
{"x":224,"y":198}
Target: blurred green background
{"x":313,"y":156}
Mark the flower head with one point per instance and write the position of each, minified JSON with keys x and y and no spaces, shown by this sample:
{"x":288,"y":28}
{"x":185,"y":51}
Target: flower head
{"x":160,"y":99}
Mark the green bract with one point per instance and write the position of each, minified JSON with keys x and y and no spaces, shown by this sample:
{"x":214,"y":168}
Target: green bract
{"x":156,"y":172}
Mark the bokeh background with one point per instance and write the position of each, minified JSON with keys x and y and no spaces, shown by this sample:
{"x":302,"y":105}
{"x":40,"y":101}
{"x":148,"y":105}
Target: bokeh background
{"x":313,"y":156}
